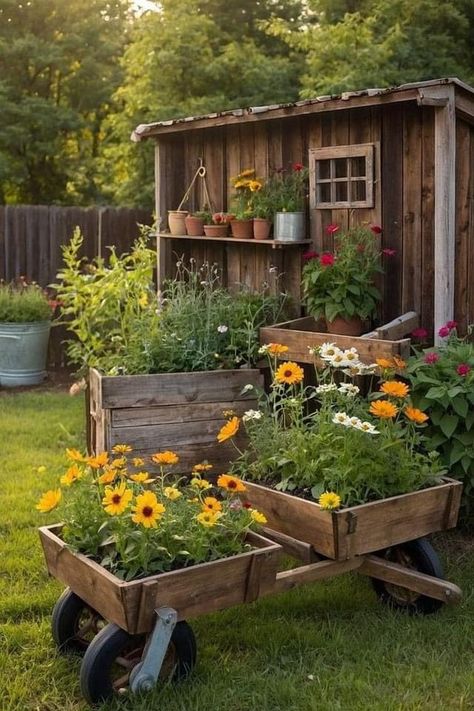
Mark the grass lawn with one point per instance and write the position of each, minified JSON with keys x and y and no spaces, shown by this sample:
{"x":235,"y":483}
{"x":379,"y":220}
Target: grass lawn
{"x":326,"y":646}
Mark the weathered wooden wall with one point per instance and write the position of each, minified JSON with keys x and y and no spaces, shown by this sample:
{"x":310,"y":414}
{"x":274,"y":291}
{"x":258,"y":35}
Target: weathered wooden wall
{"x":31,"y":237}
{"x":404,"y":196}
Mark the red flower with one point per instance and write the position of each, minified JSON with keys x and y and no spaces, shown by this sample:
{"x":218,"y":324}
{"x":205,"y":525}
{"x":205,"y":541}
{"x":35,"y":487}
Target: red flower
{"x":451,"y":325}
{"x":246,"y":505}
{"x":463,"y":369}
{"x":297,"y":167}
{"x":419,"y":333}
{"x":431,"y":358}
{"x":327,"y":259}
{"x":376,"y":229}
{"x":389,"y":252}
{"x":307,"y":256}
{"x":443,"y":331}
{"x":332,"y":229}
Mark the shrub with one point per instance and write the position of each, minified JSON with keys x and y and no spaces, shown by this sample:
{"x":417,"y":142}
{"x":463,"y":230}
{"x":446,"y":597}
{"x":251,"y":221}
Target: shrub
{"x":21,"y":302}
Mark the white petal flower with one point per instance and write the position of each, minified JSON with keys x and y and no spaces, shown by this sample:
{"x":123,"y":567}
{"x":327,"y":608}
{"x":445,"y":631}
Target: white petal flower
{"x":342,"y":418}
{"x":355,"y":422}
{"x":222,"y":329}
{"x":326,"y":388}
{"x":264,"y":349}
{"x":367,"y":427}
{"x":247,"y":388}
{"x":349,"y":389}
{"x":251,"y":415}
{"x":327,"y":351}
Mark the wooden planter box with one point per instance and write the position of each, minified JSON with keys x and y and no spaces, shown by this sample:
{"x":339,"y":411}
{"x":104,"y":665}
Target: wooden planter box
{"x":177,"y":411}
{"x":359,"y":529}
{"x":192,"y":591}
{"x":302,"y":333}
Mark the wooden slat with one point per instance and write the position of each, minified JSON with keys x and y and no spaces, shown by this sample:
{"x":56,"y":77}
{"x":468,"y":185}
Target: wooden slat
{"x":399,"y":327}
{"x":178,"y":414}
{"x":289,"y":579}
{"x":292,"y":546}
{"x":464,"y":222}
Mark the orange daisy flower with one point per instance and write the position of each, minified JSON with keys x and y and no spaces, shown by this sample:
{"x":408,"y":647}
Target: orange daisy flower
{"x":211,"y":504}
{"x":231,"y":483}
{"x":384,"y":362}
{"x":395,"y":388}
{"x":289,"y":373}
{"x":416,"y":415}
{"x":99,"y":461}
{"x":229,"y":429}
{"x":165,"y":458}
{"x":383,"y":409}
{"x":276,"y":349}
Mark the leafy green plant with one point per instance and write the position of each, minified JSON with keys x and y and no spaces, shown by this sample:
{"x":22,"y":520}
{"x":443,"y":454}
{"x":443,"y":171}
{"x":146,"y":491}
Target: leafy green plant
{"x":442,"y":379}
{"x":21,"y":302}
{"x":288,"y":188}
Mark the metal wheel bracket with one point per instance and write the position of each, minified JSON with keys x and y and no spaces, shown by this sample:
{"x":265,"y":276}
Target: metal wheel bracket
{"x":145,"y":675}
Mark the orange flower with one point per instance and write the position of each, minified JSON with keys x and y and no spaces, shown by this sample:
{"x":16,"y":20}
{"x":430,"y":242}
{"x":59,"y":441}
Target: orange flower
{"x":384,"y":362}
{"x":395,"y":388}
{"x":108,"y":476}
{"x":276,"y":349}
{"x":289,"y":373}
{"x":416,"y":415}
{"x":211,"y":504}
{"x":204,"y":467}
{"x":72,"y":475}
{"x":75,"y":455}
{"x":383,"y":409}
{"x":99,"y":461}
{"x":230,"y":483}
{"x":229,"y":429}
{"x":399,"y":362}
{"x":165,"y":458}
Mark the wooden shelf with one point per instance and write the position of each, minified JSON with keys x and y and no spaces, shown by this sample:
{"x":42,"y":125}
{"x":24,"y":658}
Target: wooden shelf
{"x":273,"y":243}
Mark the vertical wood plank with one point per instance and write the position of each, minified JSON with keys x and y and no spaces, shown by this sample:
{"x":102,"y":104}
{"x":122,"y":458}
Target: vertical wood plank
{"x":426,"y":269}
{"x":412,"y":172}
{"x":464,"y":227}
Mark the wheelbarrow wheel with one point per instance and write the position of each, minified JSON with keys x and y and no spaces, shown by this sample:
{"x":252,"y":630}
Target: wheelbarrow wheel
{"x":114,"y":653}
{"x":418,"y":555}
{"x":74,"y":624}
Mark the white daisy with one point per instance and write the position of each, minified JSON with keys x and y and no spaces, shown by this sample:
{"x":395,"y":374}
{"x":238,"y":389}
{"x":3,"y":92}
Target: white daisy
{"x":327,"y":351}
{"x":349,"y":389}
{"x":222,"y":329}
{"x":367,"y":427}
{"x":251,"y":415}
{"x":342,"y":418}
{"x":329,"y":387}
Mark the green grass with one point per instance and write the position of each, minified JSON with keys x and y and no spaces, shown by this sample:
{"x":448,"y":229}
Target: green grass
{"x":329,"y":646}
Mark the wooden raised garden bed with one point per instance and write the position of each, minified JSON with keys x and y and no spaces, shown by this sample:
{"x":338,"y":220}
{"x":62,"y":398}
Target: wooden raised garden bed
{"x":192,"y":591}
{"x":177,"y":411}
{"x":360,"y":529}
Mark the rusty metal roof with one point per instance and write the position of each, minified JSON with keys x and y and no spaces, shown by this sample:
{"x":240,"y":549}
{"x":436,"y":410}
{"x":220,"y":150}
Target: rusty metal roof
{"x":319,"y":103}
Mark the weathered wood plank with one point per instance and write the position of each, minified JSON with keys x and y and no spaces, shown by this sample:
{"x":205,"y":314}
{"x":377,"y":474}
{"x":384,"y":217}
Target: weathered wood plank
{"x":146,"y":416}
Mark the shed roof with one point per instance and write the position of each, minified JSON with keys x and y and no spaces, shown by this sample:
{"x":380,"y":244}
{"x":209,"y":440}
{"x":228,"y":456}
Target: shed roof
{"x":424,"y":93}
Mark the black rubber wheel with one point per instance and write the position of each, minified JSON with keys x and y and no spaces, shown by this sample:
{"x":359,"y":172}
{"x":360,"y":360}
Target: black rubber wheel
{"x":74,"y":624}
{"x":112,"y":655}
{"x":418,"y":555}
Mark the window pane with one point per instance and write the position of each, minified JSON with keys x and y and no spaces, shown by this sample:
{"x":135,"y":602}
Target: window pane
{"x":358,"y":167}
{"x":324,"y":192}
{"x":358,"y":191}
{"x":323,"y":170}
{"x":341,"y":192}
{"x":340,"y":168}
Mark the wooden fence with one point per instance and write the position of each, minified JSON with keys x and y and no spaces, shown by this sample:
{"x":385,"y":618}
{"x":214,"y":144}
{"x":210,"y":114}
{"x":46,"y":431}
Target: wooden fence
{"x":31,"y":237}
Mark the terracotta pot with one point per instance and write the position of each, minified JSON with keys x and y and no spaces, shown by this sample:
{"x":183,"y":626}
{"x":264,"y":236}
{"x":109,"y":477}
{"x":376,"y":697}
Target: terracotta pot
{"x":346,"y":327}
{"x":261,"y":228}
{"x":194,"y":226}
{"x":176,"y":221}
{"x":216,"y":230}
{"x":242,"y":229}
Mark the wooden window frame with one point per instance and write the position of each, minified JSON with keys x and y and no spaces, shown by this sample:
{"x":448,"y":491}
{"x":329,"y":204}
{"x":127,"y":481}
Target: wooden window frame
{"x":332,"y":153}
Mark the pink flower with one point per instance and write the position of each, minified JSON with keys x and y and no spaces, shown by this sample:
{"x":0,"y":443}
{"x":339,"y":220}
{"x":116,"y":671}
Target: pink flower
{"x":463,"y":369}
{"x":389,"y":252}
{"x":327,"y":259}
{"x":376,"y":229}
{"x":431,"y":358}
{"x":419,"y":333}
{"x":444,"y":331}
{"x":308,"y":256}
{"x":332,"y":229}
{"x":297,"y":167}
{"x":451,"y":325}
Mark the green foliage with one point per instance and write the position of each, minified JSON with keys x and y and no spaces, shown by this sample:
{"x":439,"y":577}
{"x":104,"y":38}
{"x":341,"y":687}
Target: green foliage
{"x":341,"y":283}
{"x":442,"y":381}
{"x":288,"y":188}
{"x":21,"y":302}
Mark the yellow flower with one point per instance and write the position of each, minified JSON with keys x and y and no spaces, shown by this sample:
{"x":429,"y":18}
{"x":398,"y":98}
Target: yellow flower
{"x":121,"y":448}
{"x":289,"y":373}
{"x":116,"y":500}
{"x":247,"y":173}
{"x":41,"y":469}
{"x":143,"y":300}
{"x":75,"y":455}
{"x":276,"y":349}
{"x":255,"y":186}
{"x":385,"y":362}
{"x":395,"y":388}
{"x":138,"y":462}
{"x":49,"y":500}
{"x":141,"y":478}
{"x":108,"y":476}
{"x":200,"y":483}
{"x":99,"y":461}
{"x":194,"y":500}
{"x":172,"y":493}
{"x":226,"y":413}
{"x":208,"y":518}
{"x":383,"y":409}
{"x":231,"y":483}
{"x":211,"y":504}
{"x":204,"y":467}
{"x":241,"y":183}
{"x":118,"y":463}
{"x":416,"y":415}
{"x":72,"y":475}
{"x":399,"y":362}
{"x":147,"y":510}
{"x":166,"y":457}
{"x":229,"y":429}
{"x":329,"y":501}
{"x":258,"y":516}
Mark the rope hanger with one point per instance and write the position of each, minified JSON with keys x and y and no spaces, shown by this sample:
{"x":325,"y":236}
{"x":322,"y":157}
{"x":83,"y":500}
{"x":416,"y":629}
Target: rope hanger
{"x":200,"y":173}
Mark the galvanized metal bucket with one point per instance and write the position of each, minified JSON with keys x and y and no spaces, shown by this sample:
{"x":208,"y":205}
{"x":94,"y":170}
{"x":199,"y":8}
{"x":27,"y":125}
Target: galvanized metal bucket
{"x":289,"y":227}
{"x":23,"y":353}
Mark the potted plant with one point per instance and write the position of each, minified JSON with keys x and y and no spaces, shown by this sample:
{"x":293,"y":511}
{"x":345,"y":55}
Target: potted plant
{"x":339,"y":285}
{"x":195,"y":222}
{"x":25,"y":322}
{"x":245,"y":185}
{"x":177,"y":221}
{"x":218,"y":224}
{"x":289,"y":189}
{"x":261,"y":204}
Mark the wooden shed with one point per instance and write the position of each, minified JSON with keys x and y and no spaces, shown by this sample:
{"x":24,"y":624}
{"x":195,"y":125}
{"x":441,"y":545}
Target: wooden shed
{"x":400,"y":157}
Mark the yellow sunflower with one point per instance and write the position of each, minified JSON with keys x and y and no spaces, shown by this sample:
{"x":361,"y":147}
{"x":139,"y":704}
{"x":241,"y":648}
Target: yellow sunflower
{"x":49,"y":500}
{"x":231,"y":483}
{"x":211,"y":504}
{"x":141,"y":478}
{"x":228,"y":430}
{"x":72,"y":475}
{"x":147,"y":510}
{"x":172,"y":493}
{"x":416,"y":415}
{"x":394,"y":388}
{"x":276,"y":349}
{"x":208,"y":518}
{"x":258,"y":516}
{"x":98,"y":461}
{"x":116,"y":500}
{"x":75,"y":455}
{"x":383,"y":409}
{"x":121,"y":448}
{"x":108,"y":476}
{"x":200,"y":483}
{"x":329,"y":501}
{"x":119,"y":463}
{"x":166,"y":457}
{"x":289,"y":373}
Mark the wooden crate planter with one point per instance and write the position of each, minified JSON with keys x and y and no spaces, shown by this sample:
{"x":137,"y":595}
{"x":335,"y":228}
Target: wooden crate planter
{"x":359,"y":529}
{"x":302,"y":333}
{"x":192,"y":591}
{"x":177,"y":411}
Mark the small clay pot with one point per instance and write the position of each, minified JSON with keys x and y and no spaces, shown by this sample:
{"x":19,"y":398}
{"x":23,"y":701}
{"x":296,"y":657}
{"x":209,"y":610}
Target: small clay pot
{"x":346,"y":327}
{"x":216,"y":230}
{"x":242,"y":229}
{"x":261,"y":228}
{"x":176,"y":221}
{"x":194,"y":226}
